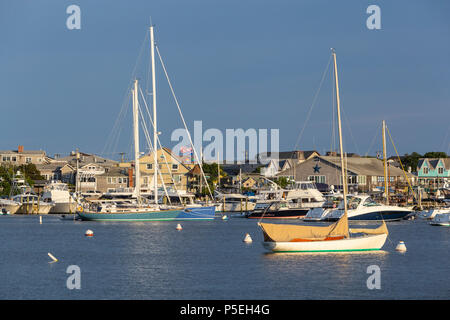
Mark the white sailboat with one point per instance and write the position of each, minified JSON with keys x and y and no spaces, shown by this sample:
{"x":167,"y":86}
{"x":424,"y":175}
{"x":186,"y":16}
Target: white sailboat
{"x":336,"y":237}
{"x":140,"y":209}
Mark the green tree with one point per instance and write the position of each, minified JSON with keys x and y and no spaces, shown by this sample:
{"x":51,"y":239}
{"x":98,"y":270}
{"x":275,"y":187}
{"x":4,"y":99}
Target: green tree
{"x":435,"y":154}
{"x":283,"y":182}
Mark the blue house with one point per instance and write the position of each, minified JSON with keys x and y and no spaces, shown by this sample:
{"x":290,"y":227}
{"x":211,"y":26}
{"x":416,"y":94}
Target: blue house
{"x":433,"y":172}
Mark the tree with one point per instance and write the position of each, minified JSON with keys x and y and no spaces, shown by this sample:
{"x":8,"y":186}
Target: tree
{"x":283,"y":182}
{"x":435,"y":154}
{"x":7,"y":172}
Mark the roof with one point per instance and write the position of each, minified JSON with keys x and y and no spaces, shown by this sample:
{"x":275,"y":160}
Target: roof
{"x":36,"y":152}
{"x":86,"y":158}
{"x":285,"y":155}
{"x":433,"y":162}
{"x":359,"y":166}
{"x":234,"y":169}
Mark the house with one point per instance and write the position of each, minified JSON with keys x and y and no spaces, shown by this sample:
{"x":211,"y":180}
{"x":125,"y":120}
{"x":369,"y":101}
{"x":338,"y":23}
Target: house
{"x":249,"y":183}
{"x":89,"y":166}
{"x":21,"y":156}
{"x":173,"y":172}
{"x":364,"y":174}
{"x":113,"y":179}
{"x":274,"y":166}
{"x":433,"y":172}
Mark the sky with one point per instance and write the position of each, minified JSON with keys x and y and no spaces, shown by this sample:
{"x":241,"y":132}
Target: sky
{"x":233,"y":64}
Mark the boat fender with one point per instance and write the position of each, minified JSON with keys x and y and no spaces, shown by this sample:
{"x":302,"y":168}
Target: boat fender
{"x":80,"y":208}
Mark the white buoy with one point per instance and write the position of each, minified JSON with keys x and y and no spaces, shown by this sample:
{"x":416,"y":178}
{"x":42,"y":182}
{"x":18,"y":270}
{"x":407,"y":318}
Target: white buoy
{"x":401,"y":247}
{"x":179,"y":227}
{"x":247,"y":238}
{"x":53,"y":258}
{"x":89,"y":233}
{"x":40,"y":219}
{"x":224,"y":217}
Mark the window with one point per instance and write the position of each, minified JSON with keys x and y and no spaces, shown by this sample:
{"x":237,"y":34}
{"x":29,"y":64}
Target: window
{"x":317,"y":179}
{"x":109,"y":180}
{"x":149,"y":166}
{"x":119,"y":180}
{"x":13,"y":159}
{"x":370,"y":203}
{"x":28,"y":160}
{"x":174,"y":167}
{"x":177,"y":178}
{"x":440,"y":170}
{"x":362,"y":180}
{"x":425,"y":170}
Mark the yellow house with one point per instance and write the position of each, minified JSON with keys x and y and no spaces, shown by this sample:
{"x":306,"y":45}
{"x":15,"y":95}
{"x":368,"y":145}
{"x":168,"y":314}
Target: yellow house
{"x":170,"y":168}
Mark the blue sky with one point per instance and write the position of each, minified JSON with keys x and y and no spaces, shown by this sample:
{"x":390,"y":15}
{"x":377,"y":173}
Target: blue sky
{"x":234,"y":64}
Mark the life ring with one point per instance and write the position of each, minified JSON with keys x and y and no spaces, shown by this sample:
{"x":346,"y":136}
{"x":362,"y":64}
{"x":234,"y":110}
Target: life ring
{"x":80,"y":209}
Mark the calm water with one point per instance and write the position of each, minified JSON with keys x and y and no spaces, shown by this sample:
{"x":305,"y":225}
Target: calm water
{"x":208,"y":260}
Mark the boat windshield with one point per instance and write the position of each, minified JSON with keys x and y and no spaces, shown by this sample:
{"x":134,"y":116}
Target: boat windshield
{"x":370,"y":203}
{"x":352,"y":203}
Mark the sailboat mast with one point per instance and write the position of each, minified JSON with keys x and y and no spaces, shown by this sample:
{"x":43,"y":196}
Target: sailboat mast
{"x":137,"y":183}
{"x":155,"y":131}
{"x":344,"y":178}
{"x":386,"y":183}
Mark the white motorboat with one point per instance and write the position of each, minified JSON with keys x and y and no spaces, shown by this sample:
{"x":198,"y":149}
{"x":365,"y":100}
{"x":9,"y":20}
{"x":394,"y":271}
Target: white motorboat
{"x":234,"y":202}
{"x":58,"y":193}
{"x":364,"y":208}
{"x":431,"y":213}
{"x":8,"y":206}
{"x":441,"y":219}
{"x":32,"y":204}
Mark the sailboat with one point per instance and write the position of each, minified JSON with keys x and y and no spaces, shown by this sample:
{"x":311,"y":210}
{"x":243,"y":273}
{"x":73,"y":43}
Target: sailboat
{"x":141,"y":209}
{"x":336,"y":237}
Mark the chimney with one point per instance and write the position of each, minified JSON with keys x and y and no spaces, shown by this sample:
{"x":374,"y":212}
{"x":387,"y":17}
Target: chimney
{"x":130,"y":178}
{"x":20,"y":149}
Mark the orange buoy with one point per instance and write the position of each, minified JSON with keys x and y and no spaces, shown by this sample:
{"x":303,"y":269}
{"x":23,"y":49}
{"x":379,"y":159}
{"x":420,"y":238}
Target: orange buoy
{"x":89,"y":233}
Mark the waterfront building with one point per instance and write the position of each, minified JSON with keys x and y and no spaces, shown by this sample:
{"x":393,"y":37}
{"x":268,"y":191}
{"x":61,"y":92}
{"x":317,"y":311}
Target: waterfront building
{"x":364,"y":174}
{"x":433,"y":173}
{"x":21,"y":156}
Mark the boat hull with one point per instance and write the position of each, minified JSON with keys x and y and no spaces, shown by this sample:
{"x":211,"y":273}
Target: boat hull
{"x":281,"y":214}
{"x":202,"y":213}
{"x":365,"y":243}
{"x":64,"y":207}
{"x":34,"y":208}
{"x":9,"y":208}
{"x":389,"y":215}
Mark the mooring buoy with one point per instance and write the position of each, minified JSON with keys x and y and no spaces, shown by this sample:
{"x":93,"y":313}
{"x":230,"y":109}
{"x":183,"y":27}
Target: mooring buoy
{"x":89,"y":233}
{"x":247,"y":238}
{"x":179,"y":227}
{"x":401,"y":247}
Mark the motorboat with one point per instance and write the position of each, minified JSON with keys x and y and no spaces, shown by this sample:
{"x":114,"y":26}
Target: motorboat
{"x":234,"y":202}
{"x":441,"y":219}
{"x":364,"y":208}
{"x":8,"y":206}
{"x":292,"y":202}
{"x":58,"y":193}
{"x":32,"y":204}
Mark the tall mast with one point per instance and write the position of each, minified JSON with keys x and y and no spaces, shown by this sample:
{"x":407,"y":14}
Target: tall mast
{"x":386,"y":183}
{"x":155,"y":131}
{"x":137,"y":183}
{"x":344,"y":177}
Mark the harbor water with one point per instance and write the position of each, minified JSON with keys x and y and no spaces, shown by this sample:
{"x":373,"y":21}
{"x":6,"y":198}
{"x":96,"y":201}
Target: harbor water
{"x":209,"y":260}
